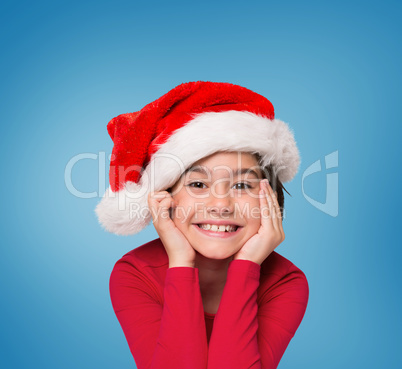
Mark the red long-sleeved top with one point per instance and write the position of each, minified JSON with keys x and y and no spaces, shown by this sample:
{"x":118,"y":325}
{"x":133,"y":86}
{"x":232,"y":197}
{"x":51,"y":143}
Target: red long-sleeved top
{"x":161,"y":313}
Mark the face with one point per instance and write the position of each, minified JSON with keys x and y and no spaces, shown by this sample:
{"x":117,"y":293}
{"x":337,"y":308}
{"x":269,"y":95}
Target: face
{"x":219,"y":192}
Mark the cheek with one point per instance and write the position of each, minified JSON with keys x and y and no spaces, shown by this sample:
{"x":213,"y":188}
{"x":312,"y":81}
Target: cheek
{"x":255,"y":213}
{"x":183,"y":209}
{"x":178,"y":223}
{"x":249,"y":210}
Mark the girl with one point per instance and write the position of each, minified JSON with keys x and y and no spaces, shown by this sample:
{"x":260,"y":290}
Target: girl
{"x":206,"y":162}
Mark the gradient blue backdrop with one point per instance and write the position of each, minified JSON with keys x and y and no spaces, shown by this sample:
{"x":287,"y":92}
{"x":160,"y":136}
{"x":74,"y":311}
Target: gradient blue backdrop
{"x":332,"y":70}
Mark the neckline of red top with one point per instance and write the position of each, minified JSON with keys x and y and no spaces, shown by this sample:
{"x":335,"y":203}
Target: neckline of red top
{"x":209,"y":315}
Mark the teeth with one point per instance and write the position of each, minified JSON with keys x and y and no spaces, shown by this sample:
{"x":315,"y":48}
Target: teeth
{"x":216,"y":228}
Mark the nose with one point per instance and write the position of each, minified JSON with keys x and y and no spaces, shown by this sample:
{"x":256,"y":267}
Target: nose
{"x":220,"y":200}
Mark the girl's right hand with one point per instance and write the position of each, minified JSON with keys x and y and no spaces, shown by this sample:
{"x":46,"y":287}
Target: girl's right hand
{"x":179,"y":250}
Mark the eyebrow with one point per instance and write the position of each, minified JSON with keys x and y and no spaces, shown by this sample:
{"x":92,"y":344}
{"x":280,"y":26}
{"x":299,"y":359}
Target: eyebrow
{"x":237,"y":172}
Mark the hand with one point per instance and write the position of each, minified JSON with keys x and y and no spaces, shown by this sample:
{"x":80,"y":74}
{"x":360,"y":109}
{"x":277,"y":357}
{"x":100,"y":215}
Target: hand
{"x":179,"y":250}
{"x":270,"y":234}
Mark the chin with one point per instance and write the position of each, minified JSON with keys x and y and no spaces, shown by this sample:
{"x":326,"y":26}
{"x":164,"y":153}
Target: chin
{"x":216,"y":252}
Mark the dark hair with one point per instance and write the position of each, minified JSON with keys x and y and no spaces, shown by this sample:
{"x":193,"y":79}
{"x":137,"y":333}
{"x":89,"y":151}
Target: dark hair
{"x":269,"y":173}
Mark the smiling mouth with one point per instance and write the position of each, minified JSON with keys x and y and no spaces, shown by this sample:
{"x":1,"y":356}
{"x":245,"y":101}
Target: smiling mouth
{"x":218,"y":228}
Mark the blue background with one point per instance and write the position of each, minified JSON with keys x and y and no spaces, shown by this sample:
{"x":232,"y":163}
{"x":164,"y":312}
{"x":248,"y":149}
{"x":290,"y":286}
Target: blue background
{"x":332,"y":71}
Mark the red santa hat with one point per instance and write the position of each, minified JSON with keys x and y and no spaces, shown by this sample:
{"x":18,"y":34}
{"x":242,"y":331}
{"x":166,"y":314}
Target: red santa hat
{"x":154,"y":146}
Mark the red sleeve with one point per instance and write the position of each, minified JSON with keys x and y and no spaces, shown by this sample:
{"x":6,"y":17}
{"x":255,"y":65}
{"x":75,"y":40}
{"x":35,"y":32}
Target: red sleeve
{"x":247,"y":335}
{"x":169,"y":334}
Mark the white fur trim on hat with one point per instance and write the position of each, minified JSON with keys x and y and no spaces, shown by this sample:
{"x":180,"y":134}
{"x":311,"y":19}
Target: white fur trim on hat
{"x":126,"y":212}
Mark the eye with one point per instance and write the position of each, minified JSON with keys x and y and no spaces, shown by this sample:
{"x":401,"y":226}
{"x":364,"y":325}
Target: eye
{"x":241,"y":186}
{"x":197,"y":185}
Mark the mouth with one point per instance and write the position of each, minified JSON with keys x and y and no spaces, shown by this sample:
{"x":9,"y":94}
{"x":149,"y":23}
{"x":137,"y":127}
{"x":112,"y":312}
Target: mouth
{"x":219,"y":228}
{"x":215,"y":230}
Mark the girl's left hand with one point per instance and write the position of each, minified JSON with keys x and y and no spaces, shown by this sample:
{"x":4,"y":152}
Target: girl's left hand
{"x":270,"y":234}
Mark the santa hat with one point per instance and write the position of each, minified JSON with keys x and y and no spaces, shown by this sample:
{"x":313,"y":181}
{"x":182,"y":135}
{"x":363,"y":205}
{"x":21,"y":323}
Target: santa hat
{"x":154,"y":146}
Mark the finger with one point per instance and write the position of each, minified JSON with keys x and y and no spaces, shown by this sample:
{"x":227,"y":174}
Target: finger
{"x":159,"y":204}
{"x":276,"y":205}
{"x":158,"y":196}
{"x":266,"y":207}
{"x":164,"y":209}
{"x":263,"y":204}
{"x":273,"y":207}
{"x":153,"y":205}
{"x":280,"y":220}
{"x":278,"y":208}
{"x":278,"y":211}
